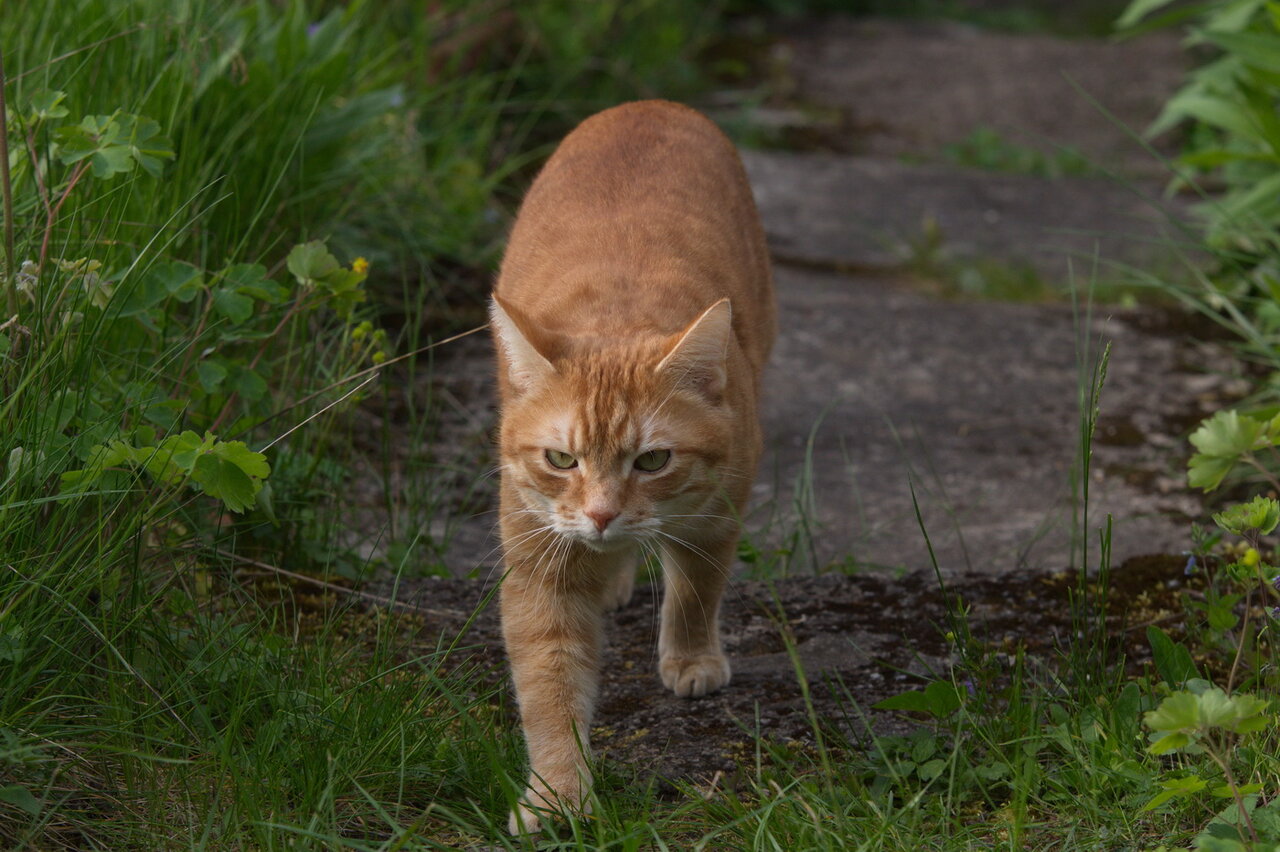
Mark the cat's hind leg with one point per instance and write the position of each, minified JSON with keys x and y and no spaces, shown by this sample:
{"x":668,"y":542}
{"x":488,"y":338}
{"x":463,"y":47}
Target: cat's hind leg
{"x":690,"y":660}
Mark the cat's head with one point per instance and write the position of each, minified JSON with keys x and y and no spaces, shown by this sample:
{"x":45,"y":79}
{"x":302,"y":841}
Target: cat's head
{"x":612,"y":442}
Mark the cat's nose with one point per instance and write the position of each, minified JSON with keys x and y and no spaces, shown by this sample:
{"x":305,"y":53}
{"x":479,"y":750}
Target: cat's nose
{"x":601,"y":517}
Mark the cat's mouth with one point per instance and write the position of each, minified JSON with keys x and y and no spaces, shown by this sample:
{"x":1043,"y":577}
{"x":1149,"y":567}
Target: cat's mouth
{"x":607,"y":541}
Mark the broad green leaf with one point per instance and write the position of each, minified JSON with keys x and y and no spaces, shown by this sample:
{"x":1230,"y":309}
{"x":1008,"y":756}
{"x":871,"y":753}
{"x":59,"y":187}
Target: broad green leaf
{"x":13,"y":644}
{"x":1207,"y":472}
{"x":138,"y":294}
{"x":101,"y":458}
{"x":1227,"y":433}
{"x":144,"y":143}
{"x":1222,"y":440}
{"x":47,"y":104}
{"x":21,"y":798}
{"x":939,"y":699}
{"x":251,"y":280}
{"x":1172,"y":659}
{"x":182,"y":449}
{"x":225,"y":481}
{"x":1176,"y":788}
{"x":1179,"y":712}
{"x":248,"y":384}
{"x":1169,"y":742}
{"x":232,"y":305}
{"x":912,"y":701}
{"x":231,"y":472}
{"x":310,"y":262}
{"x":211,"y":374}
{"x":180,"y":280}
{"x":931,"y":769}
{"x":1226,"y":791}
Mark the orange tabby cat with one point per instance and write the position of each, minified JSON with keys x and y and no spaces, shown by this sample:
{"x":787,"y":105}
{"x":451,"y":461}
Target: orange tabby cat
{"x":633,"y":316}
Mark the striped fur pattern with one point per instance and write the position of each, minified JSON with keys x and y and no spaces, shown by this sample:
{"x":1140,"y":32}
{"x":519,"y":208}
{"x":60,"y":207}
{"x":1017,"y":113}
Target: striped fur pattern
{"x":633,"y":315}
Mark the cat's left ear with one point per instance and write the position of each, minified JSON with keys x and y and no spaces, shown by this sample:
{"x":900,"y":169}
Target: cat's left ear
{"x":697,"y":359}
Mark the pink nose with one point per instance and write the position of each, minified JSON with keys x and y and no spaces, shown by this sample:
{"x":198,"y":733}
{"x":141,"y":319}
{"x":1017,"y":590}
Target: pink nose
{"x":601,"y":517}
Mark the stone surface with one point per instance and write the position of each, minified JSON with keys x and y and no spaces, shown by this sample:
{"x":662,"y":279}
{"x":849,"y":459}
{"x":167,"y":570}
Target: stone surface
{"x":874,"y":387}
{"x":874,"y":213}
{"x":911,"y":88}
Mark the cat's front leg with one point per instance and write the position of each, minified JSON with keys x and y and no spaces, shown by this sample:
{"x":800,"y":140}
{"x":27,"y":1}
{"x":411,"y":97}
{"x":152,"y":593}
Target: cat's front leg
{"x":552,"y":630}
{"x":689,"y":656}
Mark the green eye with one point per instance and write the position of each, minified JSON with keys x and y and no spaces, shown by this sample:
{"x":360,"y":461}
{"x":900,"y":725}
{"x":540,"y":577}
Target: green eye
{"x":653,"y":461}
{"x":561,"y":461}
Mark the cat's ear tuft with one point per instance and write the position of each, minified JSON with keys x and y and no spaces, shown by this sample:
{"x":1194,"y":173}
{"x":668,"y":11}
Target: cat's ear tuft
{"x":526,"y":366}
{"x":697,"y":359}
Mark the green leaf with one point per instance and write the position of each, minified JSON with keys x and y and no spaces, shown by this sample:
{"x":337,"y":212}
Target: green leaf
{"x":310,"y":262}
{"x":175,"y":457}
{"x":231,"y":472}
{"x":232,"y":305}
{"x":1172,"y":788}
{"x":939,"y":699}
{"x":248,"y":384}
{"x":251,"y":280}
{"x":165,"y":278}
{"x":1260,"y":514}
{"x":1228,"y":433}
{"x":1222,"y":440}
{"x":21,"y":798}
{"x":931,"y":769}
{"x":114,"y":144}
{"x":47,"y":104}
{"x":1172,"y":659}
{"x":1261,"y":50}
{"x":1170,"y":742}
{"x":1137,"y":10}
{"x":180,"y":280}
{"x":1179,"y":712}
{"x":13,"y":644}
{"x":144,"y":143}
{"x":211,"y":374}
{"x":1221,"y":613}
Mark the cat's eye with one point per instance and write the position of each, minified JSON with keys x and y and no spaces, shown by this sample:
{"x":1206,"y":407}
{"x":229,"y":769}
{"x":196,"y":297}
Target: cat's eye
{"x":561,"y":461}
{"x":653,"y":461}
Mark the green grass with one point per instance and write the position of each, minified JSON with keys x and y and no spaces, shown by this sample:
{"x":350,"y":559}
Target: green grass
{"x":164,"y":685}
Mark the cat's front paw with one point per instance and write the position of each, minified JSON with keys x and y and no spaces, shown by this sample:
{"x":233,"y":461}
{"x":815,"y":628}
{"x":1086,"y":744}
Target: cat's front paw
{"x":539,"y":804}
{"x":524,"y":820}
{"x":695,"y":676}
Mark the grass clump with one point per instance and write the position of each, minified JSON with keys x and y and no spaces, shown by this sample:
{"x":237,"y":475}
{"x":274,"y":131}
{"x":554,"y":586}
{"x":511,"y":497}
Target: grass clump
{"x":228,"y":219}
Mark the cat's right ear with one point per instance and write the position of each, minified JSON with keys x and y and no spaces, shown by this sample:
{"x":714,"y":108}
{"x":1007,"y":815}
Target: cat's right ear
{"x":526,"y":366}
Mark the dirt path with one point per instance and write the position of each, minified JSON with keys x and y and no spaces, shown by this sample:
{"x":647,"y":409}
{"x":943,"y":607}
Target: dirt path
{"x":877,"y":383}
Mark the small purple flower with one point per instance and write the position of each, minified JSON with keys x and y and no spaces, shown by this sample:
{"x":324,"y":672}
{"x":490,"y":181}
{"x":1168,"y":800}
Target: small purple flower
{"x":312,"y":29}
{"x":1275,"y":582}
{"x":1275,"y":613}
{"x":968,"y":683}
{"x":1191,"y":565}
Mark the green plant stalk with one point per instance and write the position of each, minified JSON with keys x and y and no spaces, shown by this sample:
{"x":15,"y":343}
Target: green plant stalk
{"x":11,"y":269}
{"x":1235,"y":790}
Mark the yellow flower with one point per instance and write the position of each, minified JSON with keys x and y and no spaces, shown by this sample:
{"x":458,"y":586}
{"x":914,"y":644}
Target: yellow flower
{"x":1251,"y":558}
{"x":360,"y":266}
{"x":379,"y":357}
